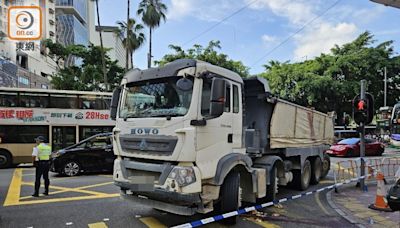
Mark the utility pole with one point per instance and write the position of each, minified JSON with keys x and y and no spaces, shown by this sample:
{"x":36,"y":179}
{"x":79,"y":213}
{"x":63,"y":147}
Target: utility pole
{"x":362,"y":138}
{"x":385,"y":88}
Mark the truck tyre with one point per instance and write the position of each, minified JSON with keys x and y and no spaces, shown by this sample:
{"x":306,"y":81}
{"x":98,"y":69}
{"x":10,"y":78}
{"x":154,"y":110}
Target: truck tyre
{"x":326,"y":165}
{"x":316,"y":169}
{"x":301,"y":178}
{"x":229,"y":197}
{"x":5,"y":159}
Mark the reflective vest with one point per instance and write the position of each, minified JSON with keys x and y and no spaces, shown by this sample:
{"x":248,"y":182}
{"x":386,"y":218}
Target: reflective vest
{"x":44,"y":152}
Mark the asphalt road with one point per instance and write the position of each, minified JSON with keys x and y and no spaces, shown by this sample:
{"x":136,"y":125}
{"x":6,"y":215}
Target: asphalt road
{"x":92,"y":201}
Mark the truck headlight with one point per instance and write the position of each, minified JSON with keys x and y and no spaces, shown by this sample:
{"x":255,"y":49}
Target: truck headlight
{"x":183,"y":175}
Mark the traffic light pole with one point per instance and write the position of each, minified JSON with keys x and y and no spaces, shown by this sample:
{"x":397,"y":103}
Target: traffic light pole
{"x":362,"y":139}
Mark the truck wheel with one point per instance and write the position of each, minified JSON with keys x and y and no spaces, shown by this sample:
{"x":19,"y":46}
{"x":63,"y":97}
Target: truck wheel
{"x":326,"y":165}
{"x":5,"y":159}
{"x":229,"y":197}
{"x":316,"y":169}
{"x":301,"y":179}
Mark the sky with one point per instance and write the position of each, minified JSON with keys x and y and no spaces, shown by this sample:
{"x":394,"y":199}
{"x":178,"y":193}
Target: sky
{"x":264,"y":30}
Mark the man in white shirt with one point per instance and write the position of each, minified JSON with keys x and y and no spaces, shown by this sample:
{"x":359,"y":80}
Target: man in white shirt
{"x":41,"y":160}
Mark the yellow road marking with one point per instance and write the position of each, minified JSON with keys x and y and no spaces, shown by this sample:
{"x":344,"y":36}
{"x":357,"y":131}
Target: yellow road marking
{"x":152,"y":222}
{"x":14,"y":189}
{"x":66,"y":199}
{"x":69,"y":189}
{"x":97,"y":225}
{"x":74,"y":189}
{"x":262,"y":223}
{"x":320,"y":204}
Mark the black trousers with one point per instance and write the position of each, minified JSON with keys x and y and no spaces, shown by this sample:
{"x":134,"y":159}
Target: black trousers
{"x":42,"y":169}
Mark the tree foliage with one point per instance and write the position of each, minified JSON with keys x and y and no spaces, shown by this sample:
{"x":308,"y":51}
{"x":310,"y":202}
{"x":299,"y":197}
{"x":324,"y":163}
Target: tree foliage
{"x":330,"y":81}
{"x":88,"y":75}
{"x":209,"y":54}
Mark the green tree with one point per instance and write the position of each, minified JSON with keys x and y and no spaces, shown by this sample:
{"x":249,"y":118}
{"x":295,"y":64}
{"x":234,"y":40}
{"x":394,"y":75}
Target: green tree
{"x":135,"y":37}
{"x":330,"y":81}
{"x":152,"y":12}
{"x":87,"y":76}
{"x":208,"y":54}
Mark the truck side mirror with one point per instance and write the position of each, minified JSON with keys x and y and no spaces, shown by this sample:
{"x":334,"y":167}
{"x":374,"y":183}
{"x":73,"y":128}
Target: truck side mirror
{"x":114,"y":103}
{"x":217,"y":98}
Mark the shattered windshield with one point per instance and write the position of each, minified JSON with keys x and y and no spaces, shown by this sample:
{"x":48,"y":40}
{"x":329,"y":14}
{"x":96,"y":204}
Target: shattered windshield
{"x":155,"y":98}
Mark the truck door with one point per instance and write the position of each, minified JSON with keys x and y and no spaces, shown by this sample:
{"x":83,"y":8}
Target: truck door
{"x":215,"y":138}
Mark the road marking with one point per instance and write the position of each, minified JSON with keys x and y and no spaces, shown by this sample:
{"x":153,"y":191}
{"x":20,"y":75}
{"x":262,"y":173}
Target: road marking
{"x":69,"y":189}
{"x":74,"y":189}
{"x":65,"y":199}
{"x":262,"y":223}
{"x":13,"y":196}
{"x":320,"y":204}
{"x":14,"y":189}
{"x":152,"y":222}
{"x":97,"y":225}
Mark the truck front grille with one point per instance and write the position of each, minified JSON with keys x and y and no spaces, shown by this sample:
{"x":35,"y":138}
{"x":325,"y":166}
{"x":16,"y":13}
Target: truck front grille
{"x":154,"y":144}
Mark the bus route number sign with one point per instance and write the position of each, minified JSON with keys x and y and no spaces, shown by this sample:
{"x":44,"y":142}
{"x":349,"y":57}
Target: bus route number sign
{"x":97,"y":116}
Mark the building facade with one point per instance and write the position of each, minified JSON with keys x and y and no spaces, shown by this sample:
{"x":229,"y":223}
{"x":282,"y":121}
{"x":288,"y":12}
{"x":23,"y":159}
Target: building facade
{"x":113,"y":41}
{"x":33,"y":60}
{"x":75,"y":21}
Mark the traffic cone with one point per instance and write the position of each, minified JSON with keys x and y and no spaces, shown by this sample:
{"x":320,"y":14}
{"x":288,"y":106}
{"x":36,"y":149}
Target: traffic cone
{"x":380,"y":200}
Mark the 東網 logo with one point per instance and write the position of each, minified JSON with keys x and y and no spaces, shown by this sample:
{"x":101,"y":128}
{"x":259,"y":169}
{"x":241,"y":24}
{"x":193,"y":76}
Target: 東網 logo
{"x":24,"y":23}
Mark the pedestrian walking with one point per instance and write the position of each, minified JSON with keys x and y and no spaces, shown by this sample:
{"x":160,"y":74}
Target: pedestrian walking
{"x":41,"y":160}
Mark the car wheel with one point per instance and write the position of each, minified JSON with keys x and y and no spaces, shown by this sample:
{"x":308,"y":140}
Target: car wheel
{"x":316,"y":171}
{"x":5,"y":159}
{"x":71,"y":168}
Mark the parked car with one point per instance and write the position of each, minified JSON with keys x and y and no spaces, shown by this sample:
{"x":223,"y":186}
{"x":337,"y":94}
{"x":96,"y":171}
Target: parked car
{"x":93,"y":154}
{"x":351,"y":147}
{"x":345,"y":134}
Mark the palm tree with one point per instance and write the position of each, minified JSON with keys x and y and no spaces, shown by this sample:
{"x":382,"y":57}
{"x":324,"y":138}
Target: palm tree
{"x":134,"y":36}
{"x":152,"y":11}
{"x":103,"y":63}
{"x":127,"y":37}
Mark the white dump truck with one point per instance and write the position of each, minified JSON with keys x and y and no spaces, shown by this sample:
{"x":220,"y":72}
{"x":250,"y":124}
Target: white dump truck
{"x":191,"y":137}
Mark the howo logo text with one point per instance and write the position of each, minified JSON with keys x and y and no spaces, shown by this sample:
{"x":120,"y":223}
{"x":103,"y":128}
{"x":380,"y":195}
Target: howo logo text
{"x":144,"y":131}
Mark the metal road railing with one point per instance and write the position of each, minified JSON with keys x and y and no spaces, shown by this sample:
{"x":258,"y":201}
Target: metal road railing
{"x":348,"y":169}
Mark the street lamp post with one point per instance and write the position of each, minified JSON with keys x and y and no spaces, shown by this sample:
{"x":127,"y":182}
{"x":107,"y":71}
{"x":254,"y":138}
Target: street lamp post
{"x":385,"y":85}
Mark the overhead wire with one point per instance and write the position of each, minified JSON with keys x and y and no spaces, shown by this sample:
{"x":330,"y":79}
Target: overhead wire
{"x":295,"y":33}
{"x":220,"y":22}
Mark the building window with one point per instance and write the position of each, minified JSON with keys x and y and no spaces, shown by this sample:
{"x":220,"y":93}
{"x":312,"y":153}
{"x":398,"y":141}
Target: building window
{"x":23,"y":80}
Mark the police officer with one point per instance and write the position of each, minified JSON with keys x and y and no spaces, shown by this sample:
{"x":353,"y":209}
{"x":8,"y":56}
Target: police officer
{"x":41,"y":160}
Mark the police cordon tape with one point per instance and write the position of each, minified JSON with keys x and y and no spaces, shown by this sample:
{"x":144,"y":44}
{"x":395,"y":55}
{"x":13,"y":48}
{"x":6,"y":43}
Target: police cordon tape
{"x":201,"y":222}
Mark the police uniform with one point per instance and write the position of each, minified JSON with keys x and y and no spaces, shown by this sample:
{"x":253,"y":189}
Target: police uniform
{"x":42,"y":154}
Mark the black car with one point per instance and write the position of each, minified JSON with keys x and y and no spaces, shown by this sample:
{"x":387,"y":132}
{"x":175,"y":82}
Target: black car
{"x":93,"y":154}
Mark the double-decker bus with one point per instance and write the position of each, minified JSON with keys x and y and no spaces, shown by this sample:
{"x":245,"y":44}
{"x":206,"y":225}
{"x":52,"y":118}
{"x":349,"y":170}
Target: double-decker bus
{"x":395,"y":126}
{"x":383,"y":117}
{"x":63,"y":117}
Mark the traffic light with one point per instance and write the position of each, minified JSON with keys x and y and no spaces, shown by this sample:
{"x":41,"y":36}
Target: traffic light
{"x":363,"y":109}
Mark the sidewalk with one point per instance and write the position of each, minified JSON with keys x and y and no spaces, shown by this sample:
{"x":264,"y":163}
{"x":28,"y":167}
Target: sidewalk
{"x":353,"y":204}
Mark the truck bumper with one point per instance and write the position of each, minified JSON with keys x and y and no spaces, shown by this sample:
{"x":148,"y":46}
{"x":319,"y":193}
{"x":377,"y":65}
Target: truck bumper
{"x":149,"y":184}
{"x":182,"y":204}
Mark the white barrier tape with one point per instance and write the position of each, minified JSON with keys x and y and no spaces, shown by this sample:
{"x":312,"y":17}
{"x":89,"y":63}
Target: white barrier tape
{"x":253,"y":208}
